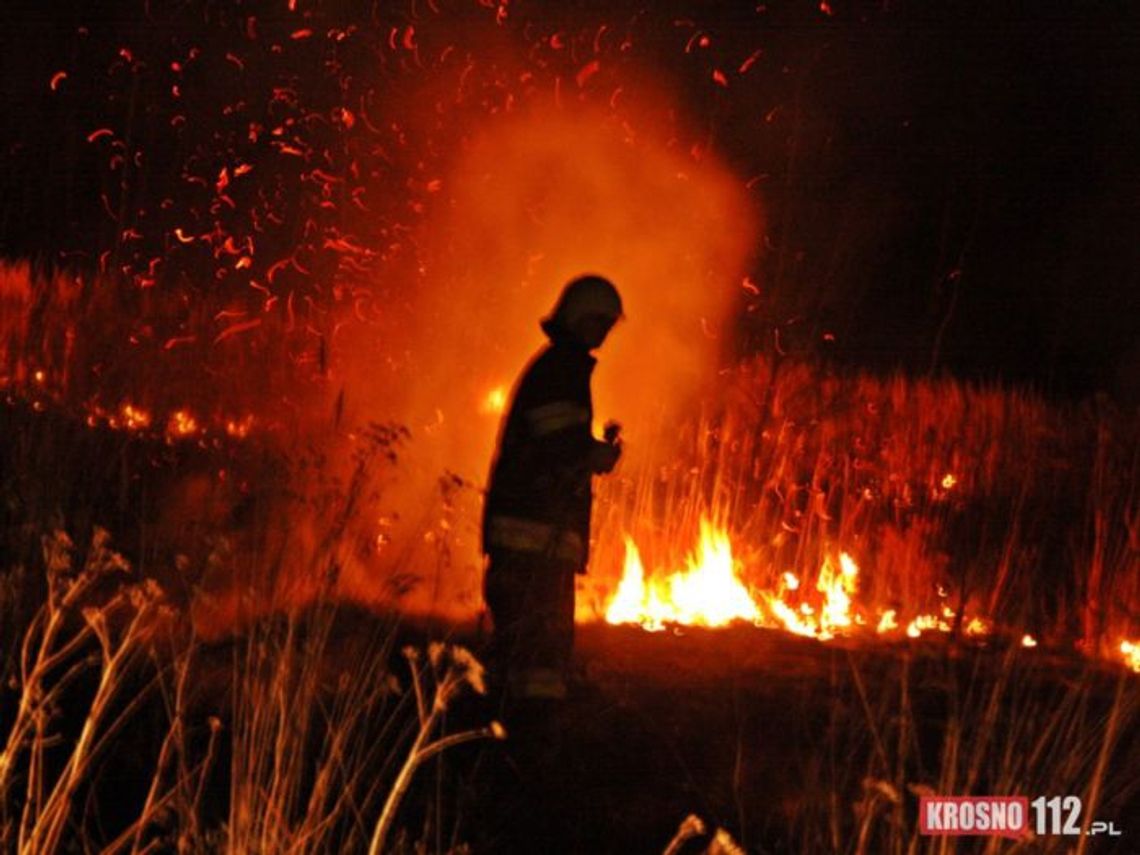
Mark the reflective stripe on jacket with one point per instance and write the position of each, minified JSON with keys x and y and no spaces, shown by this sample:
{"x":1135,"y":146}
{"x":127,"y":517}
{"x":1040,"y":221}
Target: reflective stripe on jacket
{"x":541,"y":473}
{"x":556,"y":416}
{"x":523,"y":535}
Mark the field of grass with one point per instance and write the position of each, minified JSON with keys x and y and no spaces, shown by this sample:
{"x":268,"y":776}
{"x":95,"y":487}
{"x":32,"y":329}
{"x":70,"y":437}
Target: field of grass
{"x":190,"y":659}
{"x":184,"y":667}
{"x":267,"y":272}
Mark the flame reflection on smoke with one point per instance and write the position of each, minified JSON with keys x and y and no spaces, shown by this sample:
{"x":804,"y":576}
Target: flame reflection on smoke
{"x":536,"y":198}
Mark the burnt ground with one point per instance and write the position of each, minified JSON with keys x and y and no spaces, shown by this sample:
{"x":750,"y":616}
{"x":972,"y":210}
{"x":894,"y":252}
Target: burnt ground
{"x":759,"y":732}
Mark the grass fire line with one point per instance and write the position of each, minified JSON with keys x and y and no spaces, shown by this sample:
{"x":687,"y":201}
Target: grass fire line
{"x":846,"y":527}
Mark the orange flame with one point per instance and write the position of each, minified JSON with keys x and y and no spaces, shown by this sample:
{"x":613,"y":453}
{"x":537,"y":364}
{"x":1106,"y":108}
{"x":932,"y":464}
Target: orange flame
{"x":1131,"y":651}
{"x":134,"y":417}
{"x":181,"y":424}
{"x":888,"y":622}
{"x":709,"y":592}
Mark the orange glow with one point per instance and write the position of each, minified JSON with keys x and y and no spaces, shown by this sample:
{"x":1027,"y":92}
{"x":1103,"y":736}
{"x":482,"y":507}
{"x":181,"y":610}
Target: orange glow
{"x":948,"y":481}
{"x":1028,"y":640}
{"x":239,"y":428}
{"x":495,"y":402}
{"x":542,"y":194}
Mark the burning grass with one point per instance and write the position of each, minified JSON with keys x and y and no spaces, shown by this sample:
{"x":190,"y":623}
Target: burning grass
{"x":851,"y":503}
{"x":813,"y":500}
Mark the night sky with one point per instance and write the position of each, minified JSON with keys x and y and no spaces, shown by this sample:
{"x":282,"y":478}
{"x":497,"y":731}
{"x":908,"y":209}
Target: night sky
{"x":947,"y":186}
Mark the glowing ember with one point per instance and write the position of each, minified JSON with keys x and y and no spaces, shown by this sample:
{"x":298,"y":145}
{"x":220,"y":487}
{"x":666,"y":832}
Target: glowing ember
{"x":239,"y":428}
{"x":1028,"y":640}
{"x":932,"y":623}
{"x":134,"y":418}
{"x":181,"y":424}
{"x":1131,"y":651}
{"x":976,"y":626}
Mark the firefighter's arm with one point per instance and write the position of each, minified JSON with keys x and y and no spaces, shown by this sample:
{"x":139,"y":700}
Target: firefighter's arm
{"x":605,"y":455}
{"x":560,"y":432}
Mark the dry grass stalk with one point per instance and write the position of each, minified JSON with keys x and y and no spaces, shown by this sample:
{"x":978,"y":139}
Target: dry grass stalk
{"x":453,"y":669}
{"x":79,"y":627}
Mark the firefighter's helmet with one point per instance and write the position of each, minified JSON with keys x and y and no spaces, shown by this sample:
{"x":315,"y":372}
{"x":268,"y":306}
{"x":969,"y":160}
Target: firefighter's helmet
{"x":582,"y":297}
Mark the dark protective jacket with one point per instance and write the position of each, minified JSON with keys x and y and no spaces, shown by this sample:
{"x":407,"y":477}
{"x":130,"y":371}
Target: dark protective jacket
{"x":539,"y":496}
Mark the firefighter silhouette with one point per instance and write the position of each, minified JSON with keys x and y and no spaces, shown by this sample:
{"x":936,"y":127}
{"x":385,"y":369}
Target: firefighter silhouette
{"x":536,"y":520}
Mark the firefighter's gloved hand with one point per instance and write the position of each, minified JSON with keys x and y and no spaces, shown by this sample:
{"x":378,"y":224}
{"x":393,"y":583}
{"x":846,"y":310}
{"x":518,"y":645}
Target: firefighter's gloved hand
{"x":604,"y":457}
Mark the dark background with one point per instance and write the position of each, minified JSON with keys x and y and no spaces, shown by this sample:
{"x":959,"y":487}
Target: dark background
{"x":948,"y":186}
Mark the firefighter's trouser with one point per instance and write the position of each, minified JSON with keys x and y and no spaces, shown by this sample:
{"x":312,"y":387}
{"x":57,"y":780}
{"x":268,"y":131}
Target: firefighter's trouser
{"x":531,"y":599}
